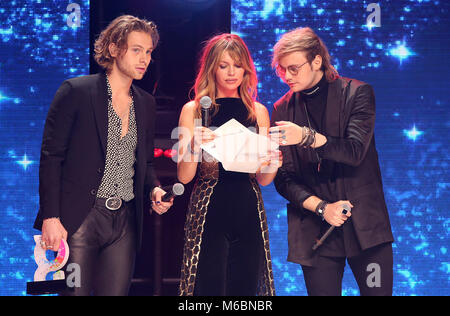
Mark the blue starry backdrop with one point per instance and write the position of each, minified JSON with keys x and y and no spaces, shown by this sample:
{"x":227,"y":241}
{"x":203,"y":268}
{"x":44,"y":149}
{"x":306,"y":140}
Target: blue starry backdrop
{"x":41,"y":44}
{"x":404,"y":58}
{"x":403,"y":53}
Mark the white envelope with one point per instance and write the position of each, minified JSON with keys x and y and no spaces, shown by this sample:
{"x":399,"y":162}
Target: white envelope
{"x":238,"y":148}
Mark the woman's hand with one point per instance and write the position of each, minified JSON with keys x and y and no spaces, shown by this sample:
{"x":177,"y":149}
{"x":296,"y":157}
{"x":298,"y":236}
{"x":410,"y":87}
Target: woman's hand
{"x":271,"y":162}
{"x":202,"y":135}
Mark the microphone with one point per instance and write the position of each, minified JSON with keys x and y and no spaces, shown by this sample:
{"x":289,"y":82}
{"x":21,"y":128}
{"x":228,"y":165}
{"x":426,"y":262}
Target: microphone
{"x":346,"y":209}
{"x":172,"y":191}
{"x":205,"y":102}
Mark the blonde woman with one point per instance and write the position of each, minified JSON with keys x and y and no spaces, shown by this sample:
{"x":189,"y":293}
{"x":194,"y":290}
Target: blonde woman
{"x":226,"y":237}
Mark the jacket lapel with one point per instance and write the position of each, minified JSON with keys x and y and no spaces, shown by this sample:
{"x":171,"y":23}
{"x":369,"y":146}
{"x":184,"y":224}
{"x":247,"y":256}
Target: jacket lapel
{"x":290,"y":107}
{"x":333,"y":111}
{"x":99,"y":97}
{"x":140,"y":126}
{"x":296,"y":106}
{"x":299,"y":107}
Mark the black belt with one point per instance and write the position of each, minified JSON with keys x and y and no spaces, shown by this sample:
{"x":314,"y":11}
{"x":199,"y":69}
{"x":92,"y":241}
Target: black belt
{"x":113,"y":203}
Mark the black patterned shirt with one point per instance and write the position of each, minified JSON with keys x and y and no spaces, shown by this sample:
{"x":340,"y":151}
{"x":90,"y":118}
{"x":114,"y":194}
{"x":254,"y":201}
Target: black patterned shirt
{"x":120,"y":155}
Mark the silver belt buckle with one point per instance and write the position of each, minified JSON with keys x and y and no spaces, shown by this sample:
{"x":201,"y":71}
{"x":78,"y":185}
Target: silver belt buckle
{"x":113,"y":203}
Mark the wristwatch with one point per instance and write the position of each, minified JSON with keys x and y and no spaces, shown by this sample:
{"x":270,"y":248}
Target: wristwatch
{"x":320,"y":209}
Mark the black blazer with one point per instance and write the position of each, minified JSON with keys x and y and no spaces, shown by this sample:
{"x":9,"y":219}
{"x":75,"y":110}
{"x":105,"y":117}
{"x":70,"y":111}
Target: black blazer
{"x":350,"y":117}
{"x":73,"y":152}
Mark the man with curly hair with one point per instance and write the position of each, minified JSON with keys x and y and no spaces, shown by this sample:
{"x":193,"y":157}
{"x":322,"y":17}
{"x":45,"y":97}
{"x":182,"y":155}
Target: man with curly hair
{"x":96,"y":166}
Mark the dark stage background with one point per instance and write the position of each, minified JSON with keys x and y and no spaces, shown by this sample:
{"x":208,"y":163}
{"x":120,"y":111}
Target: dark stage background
{"x":404,"y":58}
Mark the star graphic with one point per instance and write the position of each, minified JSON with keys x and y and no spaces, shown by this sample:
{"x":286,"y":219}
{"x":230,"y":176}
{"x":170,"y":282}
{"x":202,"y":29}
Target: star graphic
{"x":25,"y":162}
{"x":401,"y":52}
{"x":413,"y":133}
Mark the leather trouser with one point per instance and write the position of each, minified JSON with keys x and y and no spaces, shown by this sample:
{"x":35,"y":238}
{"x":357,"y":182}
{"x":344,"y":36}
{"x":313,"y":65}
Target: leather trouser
{"x":104,"y":248}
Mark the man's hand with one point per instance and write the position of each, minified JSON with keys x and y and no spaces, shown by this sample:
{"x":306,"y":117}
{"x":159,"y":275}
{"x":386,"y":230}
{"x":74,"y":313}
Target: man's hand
{"x":52,"y":233}
{"x":159,"y":206}
{"x":286,"y":133}
{"x":333,"y":213}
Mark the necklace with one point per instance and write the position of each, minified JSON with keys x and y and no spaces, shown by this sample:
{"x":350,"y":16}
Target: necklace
{"x":124,"y":115}
{"x":312,"y":92}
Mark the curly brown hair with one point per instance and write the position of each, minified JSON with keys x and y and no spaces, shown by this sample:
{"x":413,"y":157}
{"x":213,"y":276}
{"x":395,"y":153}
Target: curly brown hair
{"x":117,"y":33}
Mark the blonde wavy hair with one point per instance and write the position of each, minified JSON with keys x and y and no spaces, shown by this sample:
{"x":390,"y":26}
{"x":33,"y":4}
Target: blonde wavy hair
{"x":205,"y":83}
{"x":304,"y":40}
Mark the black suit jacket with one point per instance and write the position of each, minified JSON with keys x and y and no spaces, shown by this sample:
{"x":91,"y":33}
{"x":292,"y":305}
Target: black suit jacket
{"x":73,"y":152}
{"x":350,"y":117}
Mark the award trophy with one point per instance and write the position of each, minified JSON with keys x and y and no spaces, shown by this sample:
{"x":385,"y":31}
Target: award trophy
{"x":41,"y":286}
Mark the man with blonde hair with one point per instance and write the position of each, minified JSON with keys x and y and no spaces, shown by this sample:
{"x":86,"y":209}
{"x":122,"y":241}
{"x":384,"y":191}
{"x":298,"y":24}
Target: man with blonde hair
{"x":96,"y":167}
{"x":330,"y":175}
